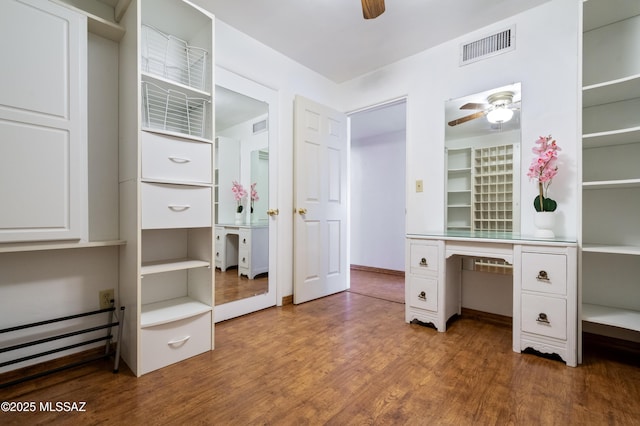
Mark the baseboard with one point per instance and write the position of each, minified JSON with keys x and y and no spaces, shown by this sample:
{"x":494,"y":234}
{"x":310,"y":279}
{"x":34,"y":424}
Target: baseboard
{"x":377,"y":270}
{"x":287,"y":300}
{"x":487,"y":316}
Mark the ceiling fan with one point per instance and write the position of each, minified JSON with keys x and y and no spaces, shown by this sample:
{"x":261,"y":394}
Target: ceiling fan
{"x":371,"y":9}
{"x":498,"y":109}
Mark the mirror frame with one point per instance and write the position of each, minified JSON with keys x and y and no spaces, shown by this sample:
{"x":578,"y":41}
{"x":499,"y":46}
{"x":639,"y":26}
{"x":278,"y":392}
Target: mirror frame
{"x":252,"y":89}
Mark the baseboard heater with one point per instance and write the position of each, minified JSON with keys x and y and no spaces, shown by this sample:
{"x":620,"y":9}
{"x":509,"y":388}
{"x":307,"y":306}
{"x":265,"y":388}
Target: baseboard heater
{"x":107,"y":352}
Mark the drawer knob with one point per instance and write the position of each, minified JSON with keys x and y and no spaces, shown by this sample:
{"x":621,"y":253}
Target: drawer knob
{"x":244,"y":241}
{"x":217,"y":254}
{"x":422,"y":296}
{"x":423,"y":262}
{"x":179,"y":208}
{"x":543,"y":276}
{"x":542,"y":318}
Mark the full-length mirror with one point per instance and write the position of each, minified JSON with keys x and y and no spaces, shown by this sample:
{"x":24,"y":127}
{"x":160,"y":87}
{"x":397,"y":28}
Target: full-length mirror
{"x":242,"y":196}
{"x":482,"y":154}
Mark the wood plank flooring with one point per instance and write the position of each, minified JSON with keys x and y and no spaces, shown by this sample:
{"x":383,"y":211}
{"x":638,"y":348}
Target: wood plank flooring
{"x":349,"y":359}
{"x":230,"y":287}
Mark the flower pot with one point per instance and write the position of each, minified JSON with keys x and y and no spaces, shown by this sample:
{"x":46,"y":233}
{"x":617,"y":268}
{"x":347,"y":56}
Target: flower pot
{"x":545,"y":222}
{"x":239,"y":218}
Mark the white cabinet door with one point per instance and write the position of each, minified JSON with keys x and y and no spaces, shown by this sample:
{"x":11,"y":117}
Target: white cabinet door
{"x":43,"y":122}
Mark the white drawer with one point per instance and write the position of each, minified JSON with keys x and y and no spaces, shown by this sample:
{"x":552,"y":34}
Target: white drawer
{"x":544,"y":315}
{"x":175,"y":160}
{"x":423,"y":293}
{"x":244,"y":260}
{"x":175,"y":206}
{"x":172,"y":342}
{"x":423,"y":258}
{"x":545,"y":273}
{"x":244,"y":239}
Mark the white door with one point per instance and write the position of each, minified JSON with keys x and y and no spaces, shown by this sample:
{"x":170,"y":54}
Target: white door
{"x":320,"y":223}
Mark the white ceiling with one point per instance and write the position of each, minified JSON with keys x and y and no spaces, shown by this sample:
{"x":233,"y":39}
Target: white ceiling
{"x":332,"y":38}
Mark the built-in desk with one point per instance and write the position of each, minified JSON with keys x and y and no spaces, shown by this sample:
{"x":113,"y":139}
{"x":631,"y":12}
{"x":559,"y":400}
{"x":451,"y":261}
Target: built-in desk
{"x":545,"y":296}
{"x":244,"y":246}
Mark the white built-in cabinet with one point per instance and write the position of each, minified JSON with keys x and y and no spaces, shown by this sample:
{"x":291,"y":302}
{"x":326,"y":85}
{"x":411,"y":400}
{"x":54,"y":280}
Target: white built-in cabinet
{"x":544,"y":287}
{"x":610,"y":255}
{"x":166,"y":182}
{"x":43,"y":122}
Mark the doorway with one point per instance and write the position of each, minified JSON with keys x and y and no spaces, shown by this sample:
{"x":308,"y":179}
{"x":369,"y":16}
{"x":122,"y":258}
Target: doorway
{"x":378,"y":195}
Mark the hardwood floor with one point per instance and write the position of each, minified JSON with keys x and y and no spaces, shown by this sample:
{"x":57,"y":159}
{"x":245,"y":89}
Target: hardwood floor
{"x":349,"y":359}
{"x":230,"y":287}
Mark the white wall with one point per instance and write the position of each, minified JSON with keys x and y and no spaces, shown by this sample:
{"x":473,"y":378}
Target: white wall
{"x":545,"y":61}
{"x":378,"y":201}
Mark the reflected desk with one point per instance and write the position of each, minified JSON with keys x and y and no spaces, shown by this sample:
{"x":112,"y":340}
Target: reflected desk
{"x":545,"y":293}
{"x":244,"y":246}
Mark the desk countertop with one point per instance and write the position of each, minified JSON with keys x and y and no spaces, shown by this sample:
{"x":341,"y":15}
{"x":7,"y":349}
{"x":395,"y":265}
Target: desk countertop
{"x":491,"y":237}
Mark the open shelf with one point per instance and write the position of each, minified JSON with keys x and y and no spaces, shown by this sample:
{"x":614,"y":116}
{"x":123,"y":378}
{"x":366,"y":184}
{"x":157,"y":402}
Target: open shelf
{"x":610,"y":248}
{"x":611,"y":137}
{"x":624,"y":318}
{"x":612,"y":184}
{"x":172,"y":265}
{"x":171,"y":310}
{"x":621,"y":89}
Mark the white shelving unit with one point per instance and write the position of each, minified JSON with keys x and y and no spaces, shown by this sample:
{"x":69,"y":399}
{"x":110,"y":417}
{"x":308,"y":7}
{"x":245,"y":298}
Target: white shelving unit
{"x":610,"y":246}
{"x":480,"y":188}
{"x":167,"y":182}
{"x":459,"y":189}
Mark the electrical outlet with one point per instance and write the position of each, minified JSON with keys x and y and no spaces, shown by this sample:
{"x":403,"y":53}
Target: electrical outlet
{"x":106,"y":296}
{"x":419,"y":186}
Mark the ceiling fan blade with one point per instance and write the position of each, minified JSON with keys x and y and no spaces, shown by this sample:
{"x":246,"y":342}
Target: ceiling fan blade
{"x":472,"y":105}
{"x":371,"y":9}
{"x":467,"y":118}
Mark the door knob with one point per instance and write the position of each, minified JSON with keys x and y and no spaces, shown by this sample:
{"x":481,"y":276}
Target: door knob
{"x":273,"y":212}
{"x":302,"y":211}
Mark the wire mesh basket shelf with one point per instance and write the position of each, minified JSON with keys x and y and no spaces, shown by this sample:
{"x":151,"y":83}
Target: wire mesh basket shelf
{"x":169,"y":57}
{"x":172,"y":110}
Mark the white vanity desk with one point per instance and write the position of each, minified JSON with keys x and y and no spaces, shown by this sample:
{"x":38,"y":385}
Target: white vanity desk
{"x":545,"y":296}
{"x":246,"y":246}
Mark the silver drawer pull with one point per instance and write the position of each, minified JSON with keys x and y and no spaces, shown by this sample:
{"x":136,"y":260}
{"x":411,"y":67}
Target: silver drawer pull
{"x":543,"y":276}
{"x":423,"y":262}
{"x":422,"y":296}
{"x":179,"y":160}
{"x":178,"y":342}
{"x":542,"y":318}
{"x":178,"y":208}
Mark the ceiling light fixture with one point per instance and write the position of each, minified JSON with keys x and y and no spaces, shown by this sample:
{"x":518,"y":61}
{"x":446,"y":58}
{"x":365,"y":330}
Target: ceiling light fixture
{"x":500,"y":113}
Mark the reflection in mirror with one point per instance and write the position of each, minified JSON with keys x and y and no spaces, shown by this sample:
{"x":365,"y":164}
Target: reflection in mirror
{"x":242,"y":226}
{"x":482,"y":155}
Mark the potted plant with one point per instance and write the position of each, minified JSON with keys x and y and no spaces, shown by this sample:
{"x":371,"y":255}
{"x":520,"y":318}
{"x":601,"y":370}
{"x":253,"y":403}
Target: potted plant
{"x":543,"y":169}
{"x":254,"y":195}
{"x":239,"y":193}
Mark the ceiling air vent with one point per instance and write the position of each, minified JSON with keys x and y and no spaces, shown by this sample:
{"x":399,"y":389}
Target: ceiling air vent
{"x":495,"y":44}
{"x":259,"y":126}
